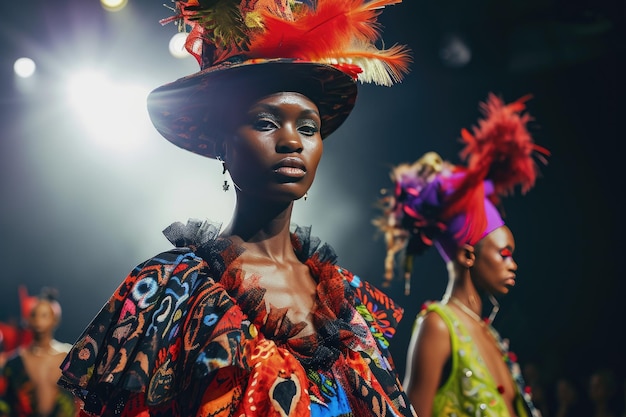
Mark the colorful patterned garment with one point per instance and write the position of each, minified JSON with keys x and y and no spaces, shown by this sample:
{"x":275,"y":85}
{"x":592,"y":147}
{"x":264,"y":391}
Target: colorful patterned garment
{"x":18,"y":398}
{"x":188,"y":333}
{"x":470,"y":390}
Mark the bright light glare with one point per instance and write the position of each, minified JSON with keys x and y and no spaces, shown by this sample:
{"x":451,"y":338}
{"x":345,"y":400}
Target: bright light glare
{"x":24,"y":67}
{"x":113,"y":113}
{"x":113,"y":5}
{"x":177,"y":45}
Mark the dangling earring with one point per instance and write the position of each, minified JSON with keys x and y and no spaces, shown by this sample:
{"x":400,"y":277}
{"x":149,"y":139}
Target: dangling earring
{"x":306,"y":195}
{"x":225,"y":186}
{"x":495,"y":308}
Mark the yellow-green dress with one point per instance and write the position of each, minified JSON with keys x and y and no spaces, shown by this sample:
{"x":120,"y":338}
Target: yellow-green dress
{"x":470,"y":390}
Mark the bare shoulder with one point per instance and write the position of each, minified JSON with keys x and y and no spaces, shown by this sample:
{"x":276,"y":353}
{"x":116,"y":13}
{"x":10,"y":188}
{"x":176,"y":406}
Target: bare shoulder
{"x":431,"y":337}
{"x":433,"y":326}
{"x":429,"y":349}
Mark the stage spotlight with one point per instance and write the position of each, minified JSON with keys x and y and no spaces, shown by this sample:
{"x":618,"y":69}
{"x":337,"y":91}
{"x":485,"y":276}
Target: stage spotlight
{"x":24,"y":67}
{"x":112,"y":112}
{"x":177,"y":45}
{"x":113,"y":5}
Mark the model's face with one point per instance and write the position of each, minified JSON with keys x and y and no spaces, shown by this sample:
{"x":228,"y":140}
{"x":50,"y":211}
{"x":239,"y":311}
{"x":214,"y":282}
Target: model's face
{"x":277,"y":147}
{"x":42,"y":319}
{"x":494,"y":268}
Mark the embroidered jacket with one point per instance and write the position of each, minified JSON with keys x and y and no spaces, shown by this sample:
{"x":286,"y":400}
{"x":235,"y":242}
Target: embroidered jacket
{"x":188,"y":333}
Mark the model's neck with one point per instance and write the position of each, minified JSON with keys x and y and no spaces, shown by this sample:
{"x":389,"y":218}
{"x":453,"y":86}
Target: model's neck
{"x":41,"y":344}
{"x":263,"y":229}
{"x":461,"y":287}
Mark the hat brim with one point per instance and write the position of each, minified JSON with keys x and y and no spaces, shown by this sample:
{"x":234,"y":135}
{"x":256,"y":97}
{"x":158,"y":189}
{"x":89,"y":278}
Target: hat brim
{"x":189,"y":111}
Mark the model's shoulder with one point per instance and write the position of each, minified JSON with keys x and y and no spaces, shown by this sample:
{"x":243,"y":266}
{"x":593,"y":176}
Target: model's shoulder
{"x":432,"y":320}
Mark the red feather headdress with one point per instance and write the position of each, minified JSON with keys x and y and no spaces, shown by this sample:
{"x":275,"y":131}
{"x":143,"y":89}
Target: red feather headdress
{"x":500,"y":149}
{"x":342,"y":33}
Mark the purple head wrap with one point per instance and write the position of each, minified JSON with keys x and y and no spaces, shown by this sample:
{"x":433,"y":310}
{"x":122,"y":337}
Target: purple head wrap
{"x":422,"y":204}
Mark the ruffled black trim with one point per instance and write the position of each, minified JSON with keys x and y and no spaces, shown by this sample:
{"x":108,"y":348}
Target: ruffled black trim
{"x":193,"y":234}
{"x":201,"y":236}
{"x":307,"y":246}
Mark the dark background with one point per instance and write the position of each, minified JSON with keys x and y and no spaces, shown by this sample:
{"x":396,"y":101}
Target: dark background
{"x":78,"y":215}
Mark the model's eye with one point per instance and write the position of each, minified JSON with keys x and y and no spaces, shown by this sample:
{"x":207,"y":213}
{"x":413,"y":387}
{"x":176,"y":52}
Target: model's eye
{"x":308,"y":128}
{"x":264,"y":125}
{"x":506,"y":253}
{"x":264,"y":122}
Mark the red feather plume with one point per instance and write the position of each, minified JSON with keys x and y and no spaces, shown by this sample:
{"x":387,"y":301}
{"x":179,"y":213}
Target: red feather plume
{"x":501,"y":148}
{"x":332,"y":27}
{"x":342,"y":33}
{"x":338,"y":31}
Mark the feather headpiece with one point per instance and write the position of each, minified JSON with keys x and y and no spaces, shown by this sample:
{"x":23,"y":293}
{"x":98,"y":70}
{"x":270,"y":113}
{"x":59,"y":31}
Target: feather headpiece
{"x":319,"y":48}
{"x":438,"y":203}
{"x":342,"y":33}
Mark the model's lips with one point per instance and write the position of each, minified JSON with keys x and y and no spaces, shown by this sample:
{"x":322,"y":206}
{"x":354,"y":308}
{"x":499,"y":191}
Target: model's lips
{"x":290,"y":167}
{"x":510,"y":281}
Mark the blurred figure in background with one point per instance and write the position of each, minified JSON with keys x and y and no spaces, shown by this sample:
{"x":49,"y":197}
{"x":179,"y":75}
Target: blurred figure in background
{"x":603,"y":393}
{"x":568,"y":401}
{"x":457,"y":364}
{"x":12,"y":335}
{"x":31,"y":371}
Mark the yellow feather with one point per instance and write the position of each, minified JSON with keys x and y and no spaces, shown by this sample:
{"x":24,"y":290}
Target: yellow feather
{"x":382,"y":67}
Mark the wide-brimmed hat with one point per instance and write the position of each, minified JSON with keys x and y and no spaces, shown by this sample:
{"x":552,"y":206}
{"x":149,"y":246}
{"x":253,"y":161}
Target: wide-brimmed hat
{"x":247,"y":49}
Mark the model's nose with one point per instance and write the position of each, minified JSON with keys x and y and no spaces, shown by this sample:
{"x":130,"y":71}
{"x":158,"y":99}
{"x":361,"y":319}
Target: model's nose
{"x":289,"y":139}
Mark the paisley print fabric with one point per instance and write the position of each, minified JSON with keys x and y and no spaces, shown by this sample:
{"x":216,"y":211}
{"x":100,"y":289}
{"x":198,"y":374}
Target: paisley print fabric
{"x":188,"y":333}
